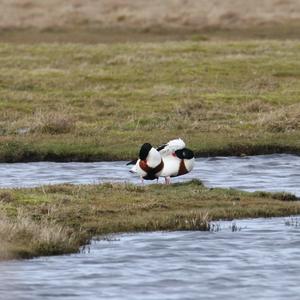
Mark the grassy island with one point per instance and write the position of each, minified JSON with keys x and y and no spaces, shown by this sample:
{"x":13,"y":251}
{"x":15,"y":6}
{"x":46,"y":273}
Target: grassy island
{"x":58,"y":219}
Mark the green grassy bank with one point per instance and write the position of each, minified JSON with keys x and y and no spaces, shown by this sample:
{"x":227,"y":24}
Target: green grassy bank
{"x":59,"y":219}
{"x":96,"y":102}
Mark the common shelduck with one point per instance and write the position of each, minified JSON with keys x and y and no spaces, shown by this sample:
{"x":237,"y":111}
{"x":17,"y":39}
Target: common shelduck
{"x":168,"y":160}
{"x":178,"y":160}
{"x":150,"y":163}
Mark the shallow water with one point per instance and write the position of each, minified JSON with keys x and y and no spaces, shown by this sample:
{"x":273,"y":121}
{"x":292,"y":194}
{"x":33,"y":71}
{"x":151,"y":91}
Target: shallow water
{"x":260,"y":261}
{"x":263,"y":172}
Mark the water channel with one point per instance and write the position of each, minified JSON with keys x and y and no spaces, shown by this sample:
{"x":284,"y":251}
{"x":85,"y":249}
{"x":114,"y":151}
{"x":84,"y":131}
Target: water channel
{"x":261,"y":259}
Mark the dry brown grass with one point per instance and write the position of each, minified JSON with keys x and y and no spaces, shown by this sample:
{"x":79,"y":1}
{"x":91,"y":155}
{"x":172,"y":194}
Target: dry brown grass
{"x":6,"y":197}
{"x":143,"y":14}
{"x":256,"y":106}
{"x":52,"y":122}
{"x":23,"y":237}
{"x":283,"y":119}
{"x":42,"y":122}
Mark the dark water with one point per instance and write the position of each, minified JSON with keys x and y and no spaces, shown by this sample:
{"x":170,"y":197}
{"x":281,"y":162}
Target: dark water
{"x":261,"y":260}
{"x":263,"y":172}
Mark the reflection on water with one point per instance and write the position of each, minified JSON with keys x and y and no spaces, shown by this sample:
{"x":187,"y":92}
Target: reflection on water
{"x":260,"y":261}
{"x":263,"y":172}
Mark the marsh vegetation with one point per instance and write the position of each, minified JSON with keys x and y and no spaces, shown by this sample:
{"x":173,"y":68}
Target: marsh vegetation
{"x":59,"y":219}
{"x":226,"y":79}
{"x":80,"y":102}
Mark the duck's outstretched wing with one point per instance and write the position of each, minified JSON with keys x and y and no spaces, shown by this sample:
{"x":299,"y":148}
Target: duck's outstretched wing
{"x":171,"y":147}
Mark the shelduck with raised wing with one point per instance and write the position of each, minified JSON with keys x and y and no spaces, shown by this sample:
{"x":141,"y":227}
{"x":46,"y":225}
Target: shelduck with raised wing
{"x":168,"y":160}
{"x":178,"y":160}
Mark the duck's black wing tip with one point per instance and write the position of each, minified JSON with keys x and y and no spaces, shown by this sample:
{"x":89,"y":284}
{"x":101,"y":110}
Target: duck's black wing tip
{"x":161,"y":147}
{"x":133,"y":162}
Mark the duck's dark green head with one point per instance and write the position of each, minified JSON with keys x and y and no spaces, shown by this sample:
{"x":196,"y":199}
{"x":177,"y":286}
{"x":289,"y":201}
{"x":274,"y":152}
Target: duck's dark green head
{"x":185,"y":153}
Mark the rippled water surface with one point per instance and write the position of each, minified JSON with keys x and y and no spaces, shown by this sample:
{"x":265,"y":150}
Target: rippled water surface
{"x":261,"y":260}
{"x":263,"y":172}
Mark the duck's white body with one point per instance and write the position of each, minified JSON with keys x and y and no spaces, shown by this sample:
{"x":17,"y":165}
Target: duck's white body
{"x":152,"y":161}
{"x":172,"y":166}
{"x":169,"y":160}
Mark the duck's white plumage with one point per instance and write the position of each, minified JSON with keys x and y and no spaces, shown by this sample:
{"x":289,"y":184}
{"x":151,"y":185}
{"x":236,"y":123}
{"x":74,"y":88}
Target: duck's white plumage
{"x":153,"y":160}
{"x":171,"y":147}
{"x":189,"y":164}
{"x":171,"y":159}
{"x":173,"y":164}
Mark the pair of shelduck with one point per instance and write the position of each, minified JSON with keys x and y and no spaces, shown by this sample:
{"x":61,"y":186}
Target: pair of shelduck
{"x":168,"y":160}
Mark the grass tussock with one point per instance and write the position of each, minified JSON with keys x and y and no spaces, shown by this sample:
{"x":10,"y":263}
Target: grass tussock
{"x":284,"y":119}
{"x":52,"y":123}
{"x":6,"y":197}
{"x":22,"y":237}
{"x":257,"y":106}
{"x":58,"y":219}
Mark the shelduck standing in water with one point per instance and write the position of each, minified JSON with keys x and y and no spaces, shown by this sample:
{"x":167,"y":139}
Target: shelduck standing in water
{"x":168,"y":160}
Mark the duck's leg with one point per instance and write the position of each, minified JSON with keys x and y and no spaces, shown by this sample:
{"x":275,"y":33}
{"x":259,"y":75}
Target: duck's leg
{"x":157,"y":180}
{"x":142,"y":179}
{"x":167,"y":180}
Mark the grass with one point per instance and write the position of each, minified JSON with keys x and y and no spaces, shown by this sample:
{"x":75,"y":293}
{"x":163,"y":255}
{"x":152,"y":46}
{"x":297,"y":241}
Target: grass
{"x":58,"y":219}
{"x":44,"y":237}
{"x":228,"y":83}
{"x":95,"y":102}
